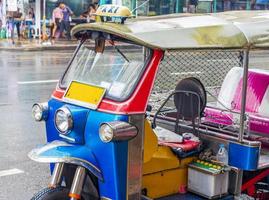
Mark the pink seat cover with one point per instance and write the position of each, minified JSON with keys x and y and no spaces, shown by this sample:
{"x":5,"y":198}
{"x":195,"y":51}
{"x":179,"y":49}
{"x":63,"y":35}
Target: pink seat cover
{"x":216,"y":115}
{"x":257,"y":86}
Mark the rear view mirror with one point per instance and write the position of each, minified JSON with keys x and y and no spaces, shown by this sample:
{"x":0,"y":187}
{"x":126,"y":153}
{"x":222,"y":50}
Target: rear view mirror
{"x":99,"y":45}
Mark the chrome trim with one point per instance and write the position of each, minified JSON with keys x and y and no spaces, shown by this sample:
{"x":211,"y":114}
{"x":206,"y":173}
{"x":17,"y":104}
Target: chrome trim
{"x":105,"y":198}
{"x":243,"y":96}
{"x":71,"y":160}
{"x":78,"y":182}
{"x":70,"y":120}
{"x":35,"y":156}
{"x":35,"y":152}
{"x":135,"y":158}
{"x":56,"y":176}
{"x":143,"y":197}
{"x":214,"y":133}
{"x":66,"y":137}
{"x":121,"y":131}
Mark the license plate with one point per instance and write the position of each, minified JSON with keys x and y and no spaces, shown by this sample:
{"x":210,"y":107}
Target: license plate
{"x":84,"y":94}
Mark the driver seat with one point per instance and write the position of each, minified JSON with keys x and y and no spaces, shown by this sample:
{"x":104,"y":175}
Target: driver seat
{"x":164,"y":168}
{"x":190,"y":102}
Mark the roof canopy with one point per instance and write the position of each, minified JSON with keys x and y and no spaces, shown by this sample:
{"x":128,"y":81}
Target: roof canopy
{"x":236,"y":29}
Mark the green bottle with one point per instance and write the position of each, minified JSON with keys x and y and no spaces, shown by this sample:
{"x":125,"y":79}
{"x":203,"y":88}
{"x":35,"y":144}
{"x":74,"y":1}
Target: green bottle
{"x":3,"y":33}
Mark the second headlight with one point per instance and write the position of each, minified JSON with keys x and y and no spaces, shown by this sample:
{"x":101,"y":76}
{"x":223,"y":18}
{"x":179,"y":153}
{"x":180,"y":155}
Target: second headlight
{"x":63,"y":120}
{"x":117,"y":131}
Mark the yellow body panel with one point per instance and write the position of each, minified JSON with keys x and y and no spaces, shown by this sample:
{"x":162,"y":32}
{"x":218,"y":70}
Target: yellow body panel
{"x":163,"y":159}
{"x":167,"y":181}
{"x":163,"y":172}
{"x":156,"y":158}
{"x":164,"y":183}
{"x":84,"y":93}
{"x":150,"y":142}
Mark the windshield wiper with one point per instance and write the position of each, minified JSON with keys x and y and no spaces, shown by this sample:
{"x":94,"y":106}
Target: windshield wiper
{"x":119,"y":51}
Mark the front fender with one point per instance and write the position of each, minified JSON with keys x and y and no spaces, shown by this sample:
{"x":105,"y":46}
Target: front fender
{"x":59,"y":151}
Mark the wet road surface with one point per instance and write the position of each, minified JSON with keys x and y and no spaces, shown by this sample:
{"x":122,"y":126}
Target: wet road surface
{"x":20,"y":73}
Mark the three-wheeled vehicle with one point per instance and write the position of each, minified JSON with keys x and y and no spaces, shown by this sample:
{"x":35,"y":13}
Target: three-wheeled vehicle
{"x":132,"y":116}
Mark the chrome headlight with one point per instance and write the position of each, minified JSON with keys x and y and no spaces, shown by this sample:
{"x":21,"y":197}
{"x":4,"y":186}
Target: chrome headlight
{"x":106,"y":133}
{"x":117,"y":130}
{"x":40,"y":111}
{"x":63,"y":120}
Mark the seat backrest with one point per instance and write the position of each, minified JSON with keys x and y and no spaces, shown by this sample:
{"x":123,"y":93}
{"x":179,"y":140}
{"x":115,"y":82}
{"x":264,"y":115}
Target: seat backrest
{"x":257,"y":100}
{"x":190,"y":98}
{"x":258,"y":82}
{"x":264,"y":107}
{"x":228,"y":88}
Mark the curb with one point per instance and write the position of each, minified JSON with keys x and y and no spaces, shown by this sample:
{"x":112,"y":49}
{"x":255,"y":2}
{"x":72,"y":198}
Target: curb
{"x":49,"y":48}
{"x":40,"y":48}
{"x":36,"y":45}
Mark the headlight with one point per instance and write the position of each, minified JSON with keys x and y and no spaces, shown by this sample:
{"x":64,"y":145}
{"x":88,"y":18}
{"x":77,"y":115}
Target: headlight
{"x":106,"y":133}
{"x":40,"y":111}
{"x":116,"y":131}
{"x":63,"y":120}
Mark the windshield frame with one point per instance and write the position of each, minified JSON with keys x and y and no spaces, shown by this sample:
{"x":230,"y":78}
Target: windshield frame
{"x":117,"y":99}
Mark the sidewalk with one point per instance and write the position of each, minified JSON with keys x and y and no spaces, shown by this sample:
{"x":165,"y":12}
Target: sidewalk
{"x":36,"y":45}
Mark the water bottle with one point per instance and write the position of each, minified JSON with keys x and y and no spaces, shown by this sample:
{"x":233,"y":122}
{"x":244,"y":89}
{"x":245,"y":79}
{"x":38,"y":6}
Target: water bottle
{"x":4,"y":33}
{"x":1,"y":34}
{"x":222,"y":154}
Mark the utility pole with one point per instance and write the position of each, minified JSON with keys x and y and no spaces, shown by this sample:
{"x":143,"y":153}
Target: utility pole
{"x":44,"y":28}
{"x":248,"y":6}
{"x":37,"y":18}
{"x":215,"y":6}
{"x":4,"y":4}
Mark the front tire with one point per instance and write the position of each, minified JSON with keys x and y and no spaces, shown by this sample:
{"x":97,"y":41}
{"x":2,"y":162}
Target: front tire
{"x":52,"y":194}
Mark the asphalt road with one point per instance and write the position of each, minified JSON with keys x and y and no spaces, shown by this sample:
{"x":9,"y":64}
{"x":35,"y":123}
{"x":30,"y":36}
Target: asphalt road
{"x":20,"y":73}
{"x":26,"y":78}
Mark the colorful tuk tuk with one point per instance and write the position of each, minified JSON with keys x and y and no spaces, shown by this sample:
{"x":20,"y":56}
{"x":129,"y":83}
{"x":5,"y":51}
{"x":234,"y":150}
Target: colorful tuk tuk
{"x":131,"y":117}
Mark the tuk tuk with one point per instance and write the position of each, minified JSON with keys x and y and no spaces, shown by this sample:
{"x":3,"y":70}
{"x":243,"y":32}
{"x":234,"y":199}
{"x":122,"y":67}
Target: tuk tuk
{"x":131,"y":117}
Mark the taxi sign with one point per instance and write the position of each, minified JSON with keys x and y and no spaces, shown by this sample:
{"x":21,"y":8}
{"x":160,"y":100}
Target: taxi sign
{"x":83,"y":94}
{"x":113,"y":13}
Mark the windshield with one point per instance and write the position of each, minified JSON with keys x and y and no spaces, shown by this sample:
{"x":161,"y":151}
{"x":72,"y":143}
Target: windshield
{"x":117,"y":69}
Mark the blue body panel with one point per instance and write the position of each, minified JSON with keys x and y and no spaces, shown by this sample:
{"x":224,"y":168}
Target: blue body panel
{"x":51,"y":131}
{"x":111,"y":158}
{"x":77,"y":133}
{"x":243,"y":157}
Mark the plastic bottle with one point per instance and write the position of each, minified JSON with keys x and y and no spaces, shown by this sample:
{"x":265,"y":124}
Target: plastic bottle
{"x":4,"y":33}
{"x":222,"y":154}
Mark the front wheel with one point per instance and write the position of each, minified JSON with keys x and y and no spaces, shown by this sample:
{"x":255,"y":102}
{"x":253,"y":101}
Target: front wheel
{"x":52,"y":194}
